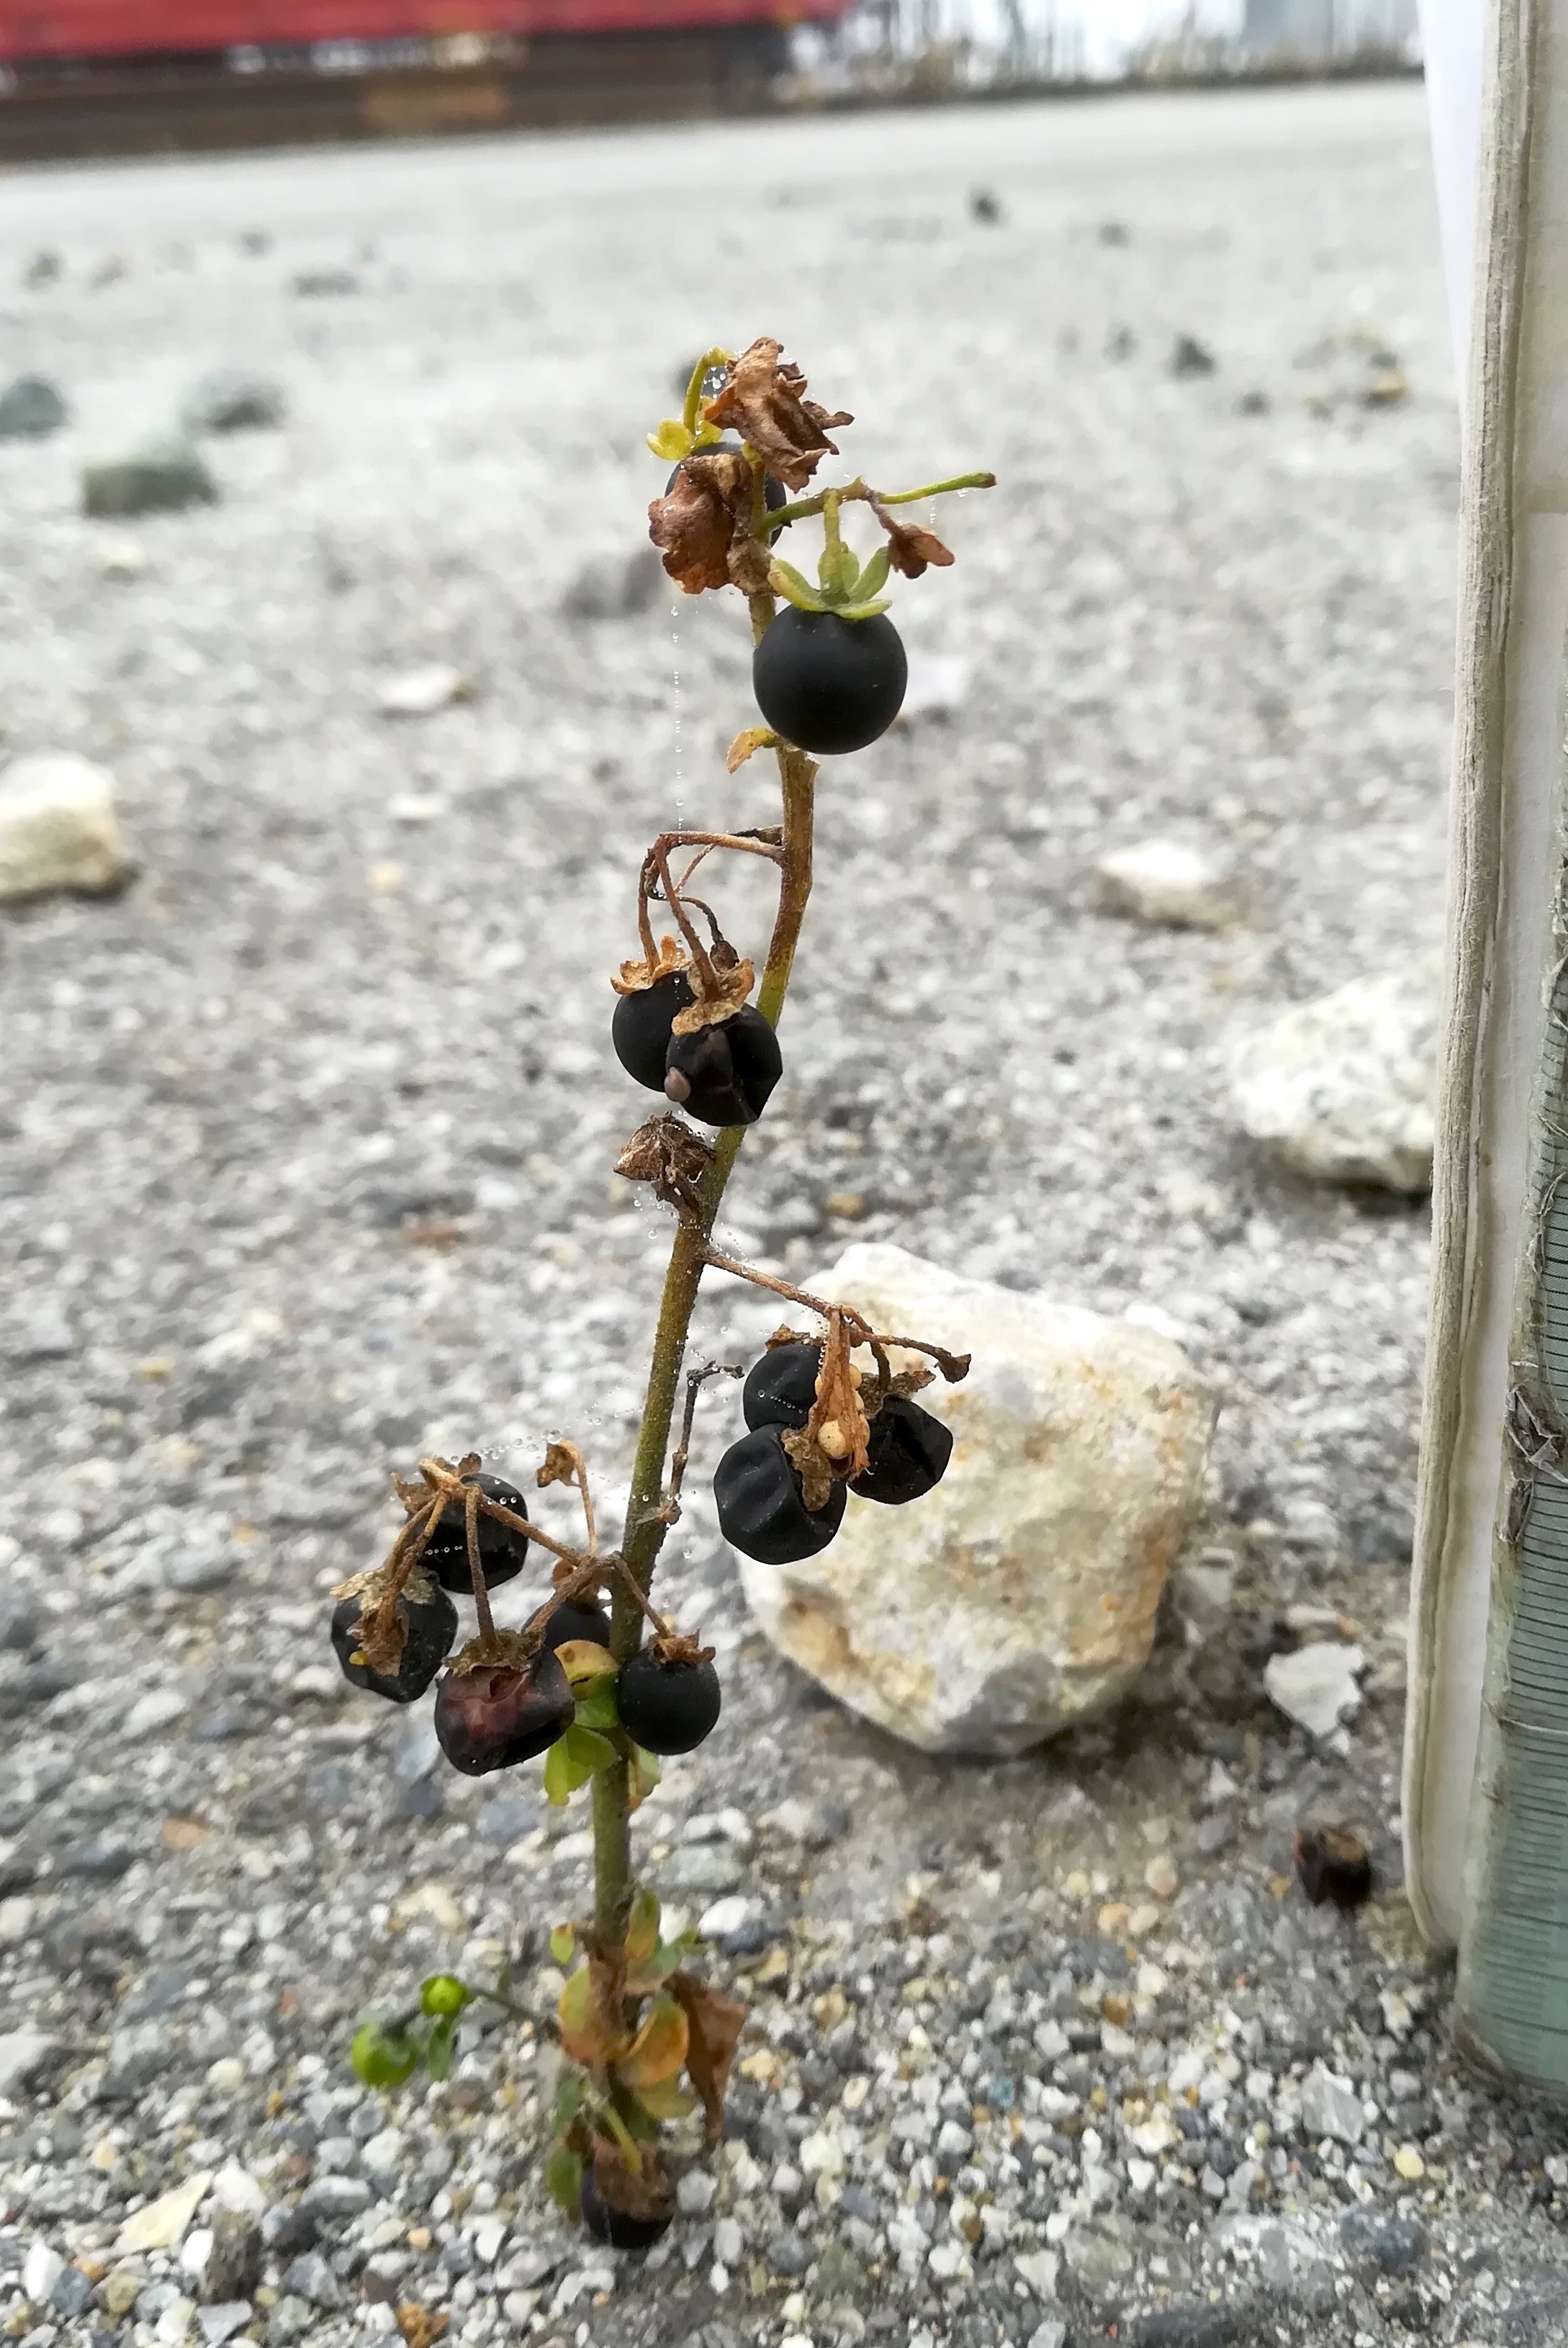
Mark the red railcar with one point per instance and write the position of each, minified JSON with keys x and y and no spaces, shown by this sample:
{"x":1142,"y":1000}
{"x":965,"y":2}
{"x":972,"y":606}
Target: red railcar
{"x":67,"y":29}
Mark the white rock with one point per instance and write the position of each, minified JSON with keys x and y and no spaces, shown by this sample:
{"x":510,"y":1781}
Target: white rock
{"x":221,"y":2322}
{"x":1315,"y":1686}
{"x":420,"y":692}
{"x":23,"y":2055}
{"x":1051,"y":2333}
{"x":1039,"y":2270}
{"x":162,"y":2224}
{"x":121,"y":558}
{"x":725,"y":1915}
{"x":728,"y":2242}
{"x":1021,"y":1593}
{"x":1342,"y":1089}
{"x":41,"y":2270}
{"x":157,"y":1709}
{"x":1161,"y":880}
{"x":694,"y":2193}
{"x":1331,"y":2106}
{"x":938,"y":685}
{"x":195,"y":2251}
{"x":16,"y":1915}
{"x":57,"y":828}
{"x":381,"y":2155}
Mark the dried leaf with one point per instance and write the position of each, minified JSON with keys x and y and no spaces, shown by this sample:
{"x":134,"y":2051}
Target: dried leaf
{"x":765,"y":403}
{"x":585,"y":2015}
{"x":911,"y":547}
{"x":659,"y":2048}
{"x":693,"y":525}
{"x":670,"y":1156}
{"x":562,"y":1465}
{"x":755,"y":738}
{"x":714,"y":2024}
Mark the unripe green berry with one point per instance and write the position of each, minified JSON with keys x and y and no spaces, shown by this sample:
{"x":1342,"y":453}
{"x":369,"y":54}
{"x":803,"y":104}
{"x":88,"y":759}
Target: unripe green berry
{"x":383,"y":2058}
{"x":444,"y":1994}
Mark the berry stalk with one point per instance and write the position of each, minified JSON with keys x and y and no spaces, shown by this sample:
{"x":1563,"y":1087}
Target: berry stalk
{"x":647,"y":1522}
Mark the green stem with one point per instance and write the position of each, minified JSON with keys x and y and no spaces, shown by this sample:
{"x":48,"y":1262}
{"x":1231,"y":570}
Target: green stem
{"x":645,"y":1527}
{"x":713,"y":358}
{"x":802,"y":509}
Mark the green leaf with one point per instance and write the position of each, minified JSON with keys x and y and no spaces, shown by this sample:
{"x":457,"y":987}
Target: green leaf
{"x":573,"y":1759}
{"x":597,"y":1704}
{"x":563,"y":1944}
{"x":642,"y":1925}
{"x":646,"y":1774}
{"x":860,"y":610}
{"x":569,"y":2097}
{"x":672,"y":441}
{"x":564,"y":2178}
{"x":872,"y":578}
{"x":639,"y":2125}
{"x":668,"y":2101}
{"x":439,"y":2044}
{"x":786,"y":581}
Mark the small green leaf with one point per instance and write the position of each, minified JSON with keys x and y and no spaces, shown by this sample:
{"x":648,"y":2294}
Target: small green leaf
{"x":563,"y":1944}
{"x":668,"y":2101}
{"x":568,"y":2100}
{"x":786,"y":581}
{"x":573,"y":1758}
{"x":672,"y":441}
{"x":439,"y":2044}
{"x":646,"y":1774}
{"x":860,"y":610}
{"x":444,"y":1994}
{"x":874,"y":577}
{"x":564,"y":2178}
{"x":838,"y":570}
{"x":557,"y":1776}
{"x":597,"y":1704}
{"x":642,"y":1924}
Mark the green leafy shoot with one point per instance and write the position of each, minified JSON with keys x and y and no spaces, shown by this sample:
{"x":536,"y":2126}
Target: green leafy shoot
{"x":573,"y":1759}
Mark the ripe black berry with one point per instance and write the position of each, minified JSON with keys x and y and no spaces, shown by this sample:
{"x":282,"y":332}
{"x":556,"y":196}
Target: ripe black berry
{"x":429,"y":1627}
{"x":640,"y":1031}
{"x":909,"y":1452}
{"x":577,"y":1618}
{"x":667,"y":1707}
{"x":781,"y":1386}
{"x":827,"y":683}
{"x":723,"y":1073}
{"x":502,"y":1552}
{"x":619,"y":2227}
{"x":494,"y":1717}
{"x":762,"y":1512}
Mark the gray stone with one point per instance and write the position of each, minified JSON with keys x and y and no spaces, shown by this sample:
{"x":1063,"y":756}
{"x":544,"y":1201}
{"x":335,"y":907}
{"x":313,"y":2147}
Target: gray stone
{"x":72,"y":2295}
{"x":788,"y":2255}
{"x":1343,"y":1089}
{"x":704,"y":1866}
{"x":327,"y":1789}
{"x":18,"y":1619}
{"x":290,"y":2319}
{"x":102,"y":1859}
{"x":31,"y":408}
{"x":233,"y":2267}
{"x":138,"y":2053}
{"x":1331,"y":2106}
{"x":332,"y":2201}
{"x":221,"y":2322}
{"x":232,"y":399}
{"x":1317,"y":1685}
{"x":1389,"y":2240}
{"x":310,"y":2276}
{"x":25,"y":2055}
{"x":505,"y":1818}
{"x":160,"y":474}
{"x":616,"y":587}
{"x":57,"y":828}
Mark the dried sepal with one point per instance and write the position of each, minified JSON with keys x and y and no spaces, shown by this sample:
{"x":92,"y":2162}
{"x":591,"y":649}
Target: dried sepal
{"x":746,"y":744}
{"x":911,"y":547}
{"x":633,"y":976}
{"x":669,"y":1156}
{"x":562,"y":1465}
{"x":812,"y":1464}
{"x":714,"y":2024}
{"x":383,"y":1624}
{"x":837,"y":1419}
{"x":702,"y":524}
{"x":733,"y":981}
{"x":765,"y":403}
{"x":507,"y":1651}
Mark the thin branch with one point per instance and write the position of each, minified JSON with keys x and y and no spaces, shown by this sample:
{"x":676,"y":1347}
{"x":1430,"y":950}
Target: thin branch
{"x":476,"y":1563}
{"x":801,"y":509}
{"x":952,"y":1366}
{"x":694,"y":1382}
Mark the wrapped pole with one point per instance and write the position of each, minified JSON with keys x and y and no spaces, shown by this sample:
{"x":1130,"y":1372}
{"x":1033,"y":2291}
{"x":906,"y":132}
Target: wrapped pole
{"x":1486,"y":1775}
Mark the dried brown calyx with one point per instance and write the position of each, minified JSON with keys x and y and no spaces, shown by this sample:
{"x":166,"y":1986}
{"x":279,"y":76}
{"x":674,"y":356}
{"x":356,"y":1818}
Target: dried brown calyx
{"x":721,"y":990}
{"x":834,"y":1443}
{"x":702,"y":525}
{"x":383,"y":1625}
{"x":678,"y":1647}
{"x":765,"y":401}
{"x":507,"y":1651}
{"x":668,"y":1155}
{"x":668,"y":957}
{"x":911,"y":547}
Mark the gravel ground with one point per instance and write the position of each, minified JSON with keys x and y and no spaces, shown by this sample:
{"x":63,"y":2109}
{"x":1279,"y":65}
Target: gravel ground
{"x":304,"y":1150}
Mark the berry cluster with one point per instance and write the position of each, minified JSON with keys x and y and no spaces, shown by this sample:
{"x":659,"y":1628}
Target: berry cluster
{"x":596,"y":1681}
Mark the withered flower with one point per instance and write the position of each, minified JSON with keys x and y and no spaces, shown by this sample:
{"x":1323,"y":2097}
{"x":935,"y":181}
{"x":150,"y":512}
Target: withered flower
{"x":765,"y":403}
{"x":702,"y":525}
{"x":911,"y":548}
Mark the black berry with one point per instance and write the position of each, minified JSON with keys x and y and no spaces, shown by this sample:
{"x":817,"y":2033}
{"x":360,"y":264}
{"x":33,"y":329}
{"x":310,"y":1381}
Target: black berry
{"x":429,"y":1627}
{"x":1333,"y":1864}
{"x":667,"y":1707}
{"x":640,"y":1031}
{"x":781,"y":1388}
{"x":578,"y":1618}
{"x":762,"y":1512}
{"x":619,"y":2227}
{"x":501,"y":1551}
{"x":723,"y":1073}
{"x":494,"y":1717}
{"x":909,"y":1451}
{"x":775,"y":494}
{"x":827,"y":683}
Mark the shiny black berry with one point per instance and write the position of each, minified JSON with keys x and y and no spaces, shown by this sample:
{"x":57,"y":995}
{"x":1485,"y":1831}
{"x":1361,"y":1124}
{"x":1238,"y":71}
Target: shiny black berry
{"x":499,"y":1716}
{"x":723,"y":1073}
{"x":429,"y":1627}
{"x":640,"y":1031}
{"x":909,"y":1451}
{"x":781,"y":1388}
{"x":667,"y":1707}
{"x":775,"y":494}
{"x":761,"y":1510}
{"x":827,"y":683}
{"x":577,"y":1618}
{"x":619,"y":2227}
{"x":502,"y":1552}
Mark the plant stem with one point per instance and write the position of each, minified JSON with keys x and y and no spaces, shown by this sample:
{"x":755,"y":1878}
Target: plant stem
{"x":646,"y":1527}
